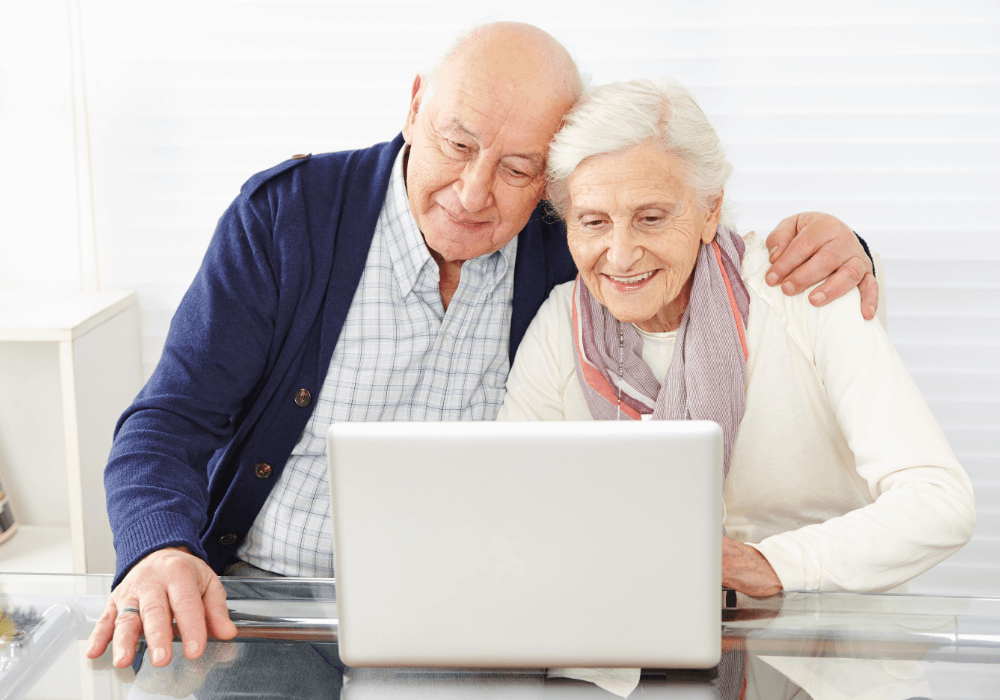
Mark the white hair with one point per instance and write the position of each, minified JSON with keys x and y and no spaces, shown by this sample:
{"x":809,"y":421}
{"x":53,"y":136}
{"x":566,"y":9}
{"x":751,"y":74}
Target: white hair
{"x":617,"y":116}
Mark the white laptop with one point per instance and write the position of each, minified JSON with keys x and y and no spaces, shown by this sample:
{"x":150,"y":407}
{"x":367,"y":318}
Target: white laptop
{"x":528,"y":544}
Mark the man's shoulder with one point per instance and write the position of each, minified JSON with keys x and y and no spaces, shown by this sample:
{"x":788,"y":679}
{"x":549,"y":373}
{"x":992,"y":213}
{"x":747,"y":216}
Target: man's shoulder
{"x":259,"y":179}
{"x":546,"y":221}
{"x":325,"y":169}
{"x":545,"y":236}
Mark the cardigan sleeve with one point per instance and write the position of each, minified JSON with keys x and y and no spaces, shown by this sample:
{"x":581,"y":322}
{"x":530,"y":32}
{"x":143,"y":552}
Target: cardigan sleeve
{"x":923,"y":509}
{"x":157,"y":478}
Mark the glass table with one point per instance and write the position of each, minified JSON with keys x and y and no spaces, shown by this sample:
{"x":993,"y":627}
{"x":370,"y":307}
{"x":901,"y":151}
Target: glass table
{"x":794,"y":645}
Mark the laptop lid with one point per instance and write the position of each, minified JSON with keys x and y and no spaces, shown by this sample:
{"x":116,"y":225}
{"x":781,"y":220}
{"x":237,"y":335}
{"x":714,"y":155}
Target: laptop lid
{"x":528,"y":544}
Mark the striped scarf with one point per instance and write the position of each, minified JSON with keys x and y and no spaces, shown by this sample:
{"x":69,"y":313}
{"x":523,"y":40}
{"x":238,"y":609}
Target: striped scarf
{"x":707,"y":376}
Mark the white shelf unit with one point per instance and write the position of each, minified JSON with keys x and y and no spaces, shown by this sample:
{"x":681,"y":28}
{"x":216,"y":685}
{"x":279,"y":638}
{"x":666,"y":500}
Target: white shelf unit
{"x":37,"y":549}
{"x":95,"y":337}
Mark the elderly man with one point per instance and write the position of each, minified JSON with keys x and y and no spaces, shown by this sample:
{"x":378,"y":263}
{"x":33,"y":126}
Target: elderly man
{"x":392,"y":283}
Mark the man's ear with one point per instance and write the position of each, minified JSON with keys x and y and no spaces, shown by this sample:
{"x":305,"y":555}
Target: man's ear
{"x":416,"y":97}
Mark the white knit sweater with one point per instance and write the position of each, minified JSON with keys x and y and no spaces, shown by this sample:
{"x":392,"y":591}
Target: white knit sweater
{"x":840,"y":475}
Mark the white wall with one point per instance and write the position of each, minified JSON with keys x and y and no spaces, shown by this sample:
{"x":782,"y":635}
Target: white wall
{"x":884,"y":113}
{"x":38,"y":218}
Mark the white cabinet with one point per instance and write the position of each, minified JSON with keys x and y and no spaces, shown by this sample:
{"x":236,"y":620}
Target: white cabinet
{"x":69,"y":366}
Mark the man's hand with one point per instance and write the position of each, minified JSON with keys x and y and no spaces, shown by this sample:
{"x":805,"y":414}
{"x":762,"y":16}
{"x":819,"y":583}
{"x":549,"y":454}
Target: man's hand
{"x":747,"y":570}
{"x":809,"y":247}
{"x":168,"y":584}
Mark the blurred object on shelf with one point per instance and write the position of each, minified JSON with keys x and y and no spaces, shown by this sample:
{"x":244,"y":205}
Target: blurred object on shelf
{"x":8,"y":525}
{"x":7,"y":629}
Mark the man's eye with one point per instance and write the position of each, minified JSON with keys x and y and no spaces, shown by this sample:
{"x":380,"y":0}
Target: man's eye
{"x":459,"y":147}
{"x":516,"y":175}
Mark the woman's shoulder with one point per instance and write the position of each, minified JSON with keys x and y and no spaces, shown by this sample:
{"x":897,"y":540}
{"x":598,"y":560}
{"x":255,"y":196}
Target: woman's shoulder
{"x":551,"y":331}
{"x":544,"y":367}
{"x":755,"y":265}
{"x":771,"y":310}
{"x":559,"y":305}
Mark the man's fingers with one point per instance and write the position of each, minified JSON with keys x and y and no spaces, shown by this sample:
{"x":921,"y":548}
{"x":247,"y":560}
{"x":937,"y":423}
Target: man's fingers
{"x":216,"y":612}
{"x":869,"y":296}
{"x":185,"y":600}
{"x":780,"y":237}
{"x":801,"y":250}
{"x":157,"y":625}
{"x":836,"y":285}
{"x":819,"y":267}
{"x":127,"y":628}
{"x":103,"y":631}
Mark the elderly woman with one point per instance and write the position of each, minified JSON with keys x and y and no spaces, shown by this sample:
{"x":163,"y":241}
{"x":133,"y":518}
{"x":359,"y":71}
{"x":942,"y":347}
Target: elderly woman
{"x":837,"y":475}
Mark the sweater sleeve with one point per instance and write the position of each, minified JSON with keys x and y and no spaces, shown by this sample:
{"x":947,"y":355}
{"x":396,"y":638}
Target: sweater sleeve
{"x":157,"y":478}
{"x":923,"y":509}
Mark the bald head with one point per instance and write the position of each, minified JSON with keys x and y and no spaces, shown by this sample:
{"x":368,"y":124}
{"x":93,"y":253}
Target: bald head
{"x":479,"y":136}
{"x":521,"y":52}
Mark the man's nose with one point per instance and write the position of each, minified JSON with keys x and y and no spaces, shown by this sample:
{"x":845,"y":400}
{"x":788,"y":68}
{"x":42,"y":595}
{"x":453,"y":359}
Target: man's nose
{"x":623,"y":249}
{"x":476,"y":185}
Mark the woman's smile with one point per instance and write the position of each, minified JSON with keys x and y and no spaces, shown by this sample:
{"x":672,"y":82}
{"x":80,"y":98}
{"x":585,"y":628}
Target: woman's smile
{"x":631,"y":282}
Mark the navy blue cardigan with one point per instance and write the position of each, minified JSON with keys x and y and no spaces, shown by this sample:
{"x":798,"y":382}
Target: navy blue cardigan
{"x":260,"y":322}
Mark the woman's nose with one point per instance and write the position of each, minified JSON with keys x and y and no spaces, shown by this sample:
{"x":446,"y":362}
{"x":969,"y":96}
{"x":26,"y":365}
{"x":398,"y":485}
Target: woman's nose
{"x":623,"y":250}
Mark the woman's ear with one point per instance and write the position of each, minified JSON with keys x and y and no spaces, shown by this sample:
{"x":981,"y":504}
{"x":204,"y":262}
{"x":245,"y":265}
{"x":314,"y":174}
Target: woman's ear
{"x":712,"y":220}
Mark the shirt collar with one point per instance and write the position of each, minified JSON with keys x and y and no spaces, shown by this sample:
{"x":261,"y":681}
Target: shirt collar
{"x":407,"y":250}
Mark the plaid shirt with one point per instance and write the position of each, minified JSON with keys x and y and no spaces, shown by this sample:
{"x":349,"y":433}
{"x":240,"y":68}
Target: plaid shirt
{"x":400,"y":356}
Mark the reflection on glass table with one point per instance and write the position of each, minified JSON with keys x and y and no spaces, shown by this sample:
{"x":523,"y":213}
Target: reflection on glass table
{"x":795,"y":645}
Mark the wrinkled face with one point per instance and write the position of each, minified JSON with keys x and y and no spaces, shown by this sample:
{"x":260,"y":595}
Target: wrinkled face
{"x":634,"y":231}
{"x":476,"y":167}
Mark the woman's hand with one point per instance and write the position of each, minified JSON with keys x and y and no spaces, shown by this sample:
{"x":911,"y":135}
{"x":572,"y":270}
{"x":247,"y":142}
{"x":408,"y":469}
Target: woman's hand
{"x":747,"y":570}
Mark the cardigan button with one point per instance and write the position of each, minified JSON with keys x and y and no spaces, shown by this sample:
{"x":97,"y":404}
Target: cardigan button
{"x":262,"y":470}
{"x":303,"y":398}
{"x":227,"y":539}
{"x":300,"y":156}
